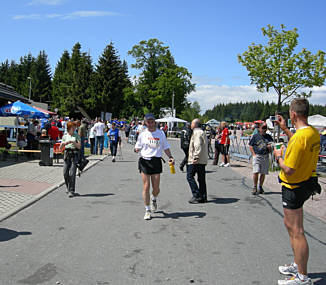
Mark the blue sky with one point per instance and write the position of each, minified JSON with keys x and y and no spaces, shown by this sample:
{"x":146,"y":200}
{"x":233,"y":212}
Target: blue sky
{"x":204,"y":36}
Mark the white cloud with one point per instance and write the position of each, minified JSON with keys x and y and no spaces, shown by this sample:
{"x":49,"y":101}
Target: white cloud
{"x":85,"y":14}
{"x":28,"y":17}
{"x":46,"y":2}
{"x":69,"y":16}
{"x":209,"y":95}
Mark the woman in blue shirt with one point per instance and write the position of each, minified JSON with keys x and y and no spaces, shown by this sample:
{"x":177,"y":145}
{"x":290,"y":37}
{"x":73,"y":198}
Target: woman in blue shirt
{"x":114,"y":138}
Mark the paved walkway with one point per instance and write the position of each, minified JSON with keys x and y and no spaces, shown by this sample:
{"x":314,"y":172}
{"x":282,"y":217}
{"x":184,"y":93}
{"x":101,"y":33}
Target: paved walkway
{"x":24,"y":182}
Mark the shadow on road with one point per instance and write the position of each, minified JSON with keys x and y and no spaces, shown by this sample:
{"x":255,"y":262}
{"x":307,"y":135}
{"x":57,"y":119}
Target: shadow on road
{"x":210,"y":171}
{"x":6,"y":234}
{"x":9,"y":186}
{"x":272,"y":193}
{"x":177,"y":215}
{"x":95,"y":195}
{"x":321,"y":276}
{"x":217,"y":200}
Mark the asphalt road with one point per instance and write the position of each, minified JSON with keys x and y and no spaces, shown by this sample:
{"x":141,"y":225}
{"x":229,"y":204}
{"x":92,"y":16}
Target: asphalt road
{"x":101,"y":238}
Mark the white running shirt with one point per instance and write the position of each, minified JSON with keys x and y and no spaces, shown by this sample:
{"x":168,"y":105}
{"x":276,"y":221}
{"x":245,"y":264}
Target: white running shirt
{"x":151,"y":144}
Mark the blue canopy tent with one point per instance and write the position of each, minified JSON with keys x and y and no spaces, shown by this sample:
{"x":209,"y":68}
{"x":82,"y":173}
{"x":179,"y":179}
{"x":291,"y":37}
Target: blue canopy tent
{"x":19,"y":109}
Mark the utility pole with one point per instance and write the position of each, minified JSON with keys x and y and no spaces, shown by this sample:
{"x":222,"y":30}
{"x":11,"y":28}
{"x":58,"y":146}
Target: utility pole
{"x":173,"y":104}
{"x":30,"y":87}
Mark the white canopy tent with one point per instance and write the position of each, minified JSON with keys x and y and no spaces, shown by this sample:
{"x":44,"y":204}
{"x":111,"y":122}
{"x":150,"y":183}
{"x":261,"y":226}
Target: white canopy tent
{"x":213,"y":122}
{"x":317,"y":121}
{"x":170,"y":120}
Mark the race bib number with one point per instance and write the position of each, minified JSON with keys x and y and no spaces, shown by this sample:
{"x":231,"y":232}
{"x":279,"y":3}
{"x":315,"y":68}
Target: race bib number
{"x":154,"y":142}
{"x":112,"y":138}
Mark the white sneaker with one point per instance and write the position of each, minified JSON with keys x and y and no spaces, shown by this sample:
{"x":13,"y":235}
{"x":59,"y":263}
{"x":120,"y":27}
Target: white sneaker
{"x":227,"y":165}
{"x":153,"y":205}
{"x":288,"y":269}
{"x":295,"y":280}
{"x":222,"y":164}
{"x":148,"y":215}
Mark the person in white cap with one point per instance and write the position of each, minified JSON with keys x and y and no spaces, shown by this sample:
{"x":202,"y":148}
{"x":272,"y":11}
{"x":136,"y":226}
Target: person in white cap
{"x":151,"y":143}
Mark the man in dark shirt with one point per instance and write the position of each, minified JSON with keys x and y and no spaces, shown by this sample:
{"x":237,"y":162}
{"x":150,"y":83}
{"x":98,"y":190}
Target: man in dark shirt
{"x":260,"y":147}
{"x":185,"y":141}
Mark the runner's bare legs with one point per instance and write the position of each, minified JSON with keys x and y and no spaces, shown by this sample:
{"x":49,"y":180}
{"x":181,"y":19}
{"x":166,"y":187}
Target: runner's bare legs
{"x":146,"y":186}
{"x":155,"y":184}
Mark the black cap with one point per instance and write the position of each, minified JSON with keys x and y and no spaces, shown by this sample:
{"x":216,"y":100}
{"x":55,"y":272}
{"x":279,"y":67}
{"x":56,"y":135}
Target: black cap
{"x":149,"y":116}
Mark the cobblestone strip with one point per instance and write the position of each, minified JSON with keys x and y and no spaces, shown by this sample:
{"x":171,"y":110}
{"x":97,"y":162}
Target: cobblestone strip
{"x":10,"y":200}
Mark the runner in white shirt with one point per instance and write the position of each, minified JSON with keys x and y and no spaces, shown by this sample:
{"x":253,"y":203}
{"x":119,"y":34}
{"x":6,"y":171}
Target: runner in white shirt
{"x":151,"y":143}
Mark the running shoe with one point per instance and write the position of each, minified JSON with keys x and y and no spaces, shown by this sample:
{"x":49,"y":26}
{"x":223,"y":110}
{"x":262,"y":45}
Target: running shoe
{"x":288,"y":269}
{"x":71,"y":194}
{"x":113,"y":159}
{"x":222,"y":164}
{"x":227,"y":165}
{"x":254,"y":191}
{"x":295,"y":280}
{"x":261,"y":190}
{"x":148,"y":215}
{"x":153,"y":205}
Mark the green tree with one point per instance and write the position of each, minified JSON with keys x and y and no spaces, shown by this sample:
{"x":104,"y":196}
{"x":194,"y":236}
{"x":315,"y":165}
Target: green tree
{"x":71,"y":81}
{"x":160,"y":77}
{"x":61,"y":84}
{"x":191,"y":112}
{"x":41,"y":79}
{"x":109,"y":83}
{"x":277,"y":66}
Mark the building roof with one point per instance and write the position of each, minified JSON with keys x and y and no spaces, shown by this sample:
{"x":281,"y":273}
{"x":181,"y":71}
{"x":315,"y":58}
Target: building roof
{"x":7,"y":92}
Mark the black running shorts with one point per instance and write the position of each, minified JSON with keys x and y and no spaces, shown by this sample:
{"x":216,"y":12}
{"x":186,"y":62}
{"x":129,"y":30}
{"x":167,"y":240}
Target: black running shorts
{"x":150,"y":167}
{"x":225,"y":149}
{"x":294,"y":198}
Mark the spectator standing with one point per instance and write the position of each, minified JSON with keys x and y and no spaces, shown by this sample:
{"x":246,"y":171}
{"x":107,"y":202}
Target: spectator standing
{"x":127,"y":130}
{"x":323,"y":140}
{"x":82,"y":132}
{"x":115,"y":139}
{"x":91,"y":136}
{"x":99,"y":128}
{"x":218,"y":145}
{"x":298,"y":168}
{"x":53,"y":132}
{"x":260,"y":147}
{"x":185,"y":142}
{"x":225,"y":142}
{"x":197,"y":161}
{"x":71,"y":143}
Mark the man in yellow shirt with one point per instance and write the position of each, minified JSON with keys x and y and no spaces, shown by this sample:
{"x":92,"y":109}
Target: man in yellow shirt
{"x":299,"y":165}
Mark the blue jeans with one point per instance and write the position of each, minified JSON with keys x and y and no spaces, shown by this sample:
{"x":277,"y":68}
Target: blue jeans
{"x":99,"y":143}
{"x":201,"y":191}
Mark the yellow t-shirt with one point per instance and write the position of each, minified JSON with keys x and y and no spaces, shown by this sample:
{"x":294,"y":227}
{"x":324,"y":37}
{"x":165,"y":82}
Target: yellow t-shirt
{"x":302,"y":155}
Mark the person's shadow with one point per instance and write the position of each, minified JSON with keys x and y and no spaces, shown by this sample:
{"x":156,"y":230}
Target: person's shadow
{"x":320,"y":275}
{"x":96,"y":195}
{"x":217,"y":200}
{"x":177,"y":215}
{"x":6,"y":234}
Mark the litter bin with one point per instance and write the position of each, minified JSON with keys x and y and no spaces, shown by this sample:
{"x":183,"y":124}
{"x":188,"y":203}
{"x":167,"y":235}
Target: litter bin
{"x":46,"y":152}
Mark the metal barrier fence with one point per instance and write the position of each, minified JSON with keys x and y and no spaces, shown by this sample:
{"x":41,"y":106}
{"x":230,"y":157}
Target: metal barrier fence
{"x":239,"y":148}
{"x":132,"y":137}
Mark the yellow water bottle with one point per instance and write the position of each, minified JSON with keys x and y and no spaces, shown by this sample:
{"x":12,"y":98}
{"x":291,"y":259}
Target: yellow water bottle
{"x":172,"y":169}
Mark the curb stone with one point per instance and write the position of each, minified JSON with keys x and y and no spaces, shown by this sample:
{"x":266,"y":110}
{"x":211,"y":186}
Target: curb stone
{"x":42,"y":194}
